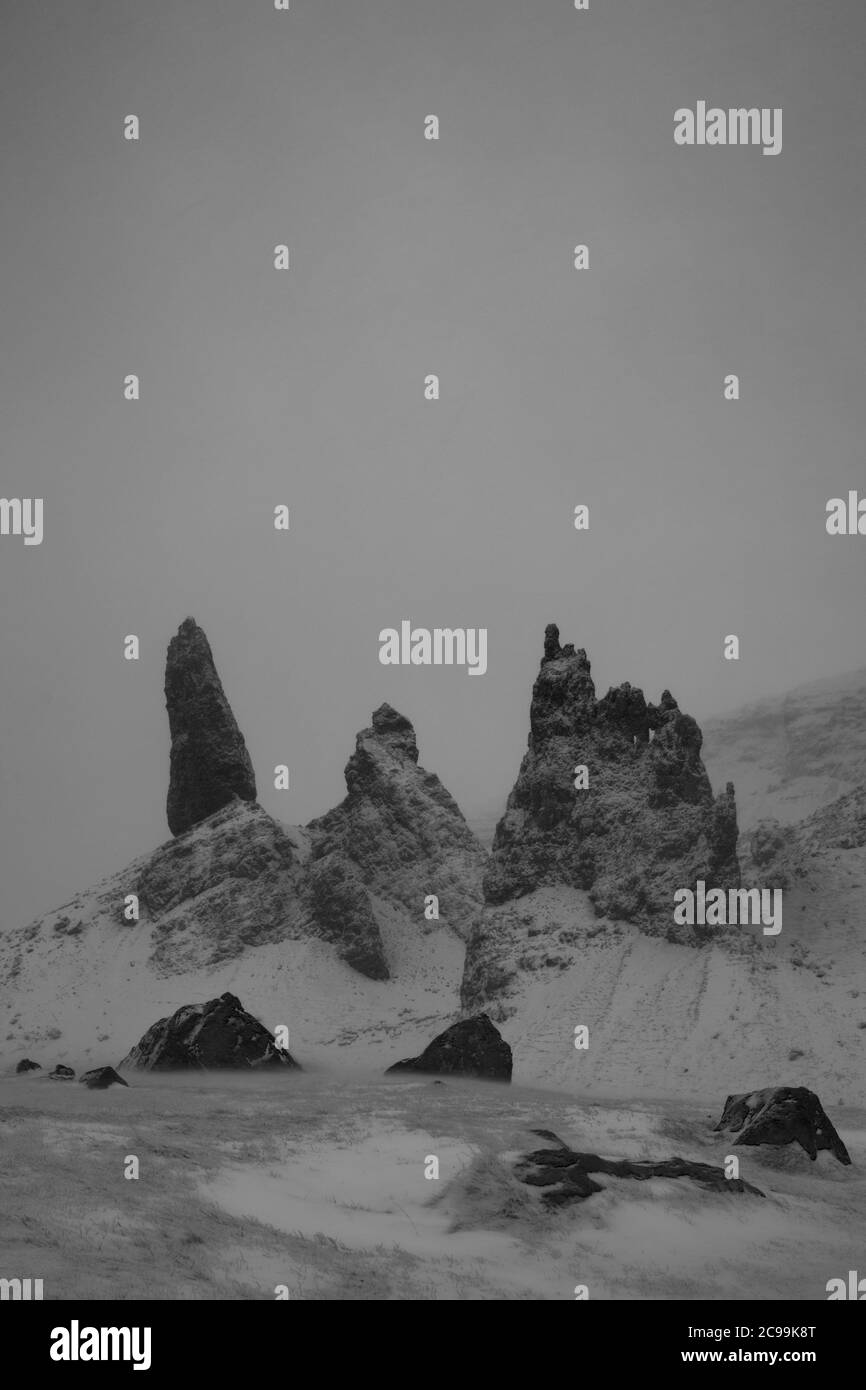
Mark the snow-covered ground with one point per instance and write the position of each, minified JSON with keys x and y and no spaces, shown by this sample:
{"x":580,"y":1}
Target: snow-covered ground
{"x":664,"y":1020}
{"x":316,"y":1182}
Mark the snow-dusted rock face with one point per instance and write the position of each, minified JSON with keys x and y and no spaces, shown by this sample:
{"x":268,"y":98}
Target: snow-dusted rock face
{"x":841,"y":825}
{"x":403,"y":831}
{"x":341,"y":910}
{"x":785,"y":854}
{"x":239,"y":899}
{"x":780,"y":1115}
{"x":239,"y":882}
{"x":645,"y":825}
{"x":472,"y":1047}
{"x":228,"y":883}
{"x":210,"y":765}
{"x":241,"y":879}
{"x":215,"y":1035}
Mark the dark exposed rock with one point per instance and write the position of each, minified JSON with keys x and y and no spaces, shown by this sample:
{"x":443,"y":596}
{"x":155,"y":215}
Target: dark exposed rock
{"x":61,"y":1073}
{"x":340,"y":907}
{"x":781,"y":1115}
{"x":646,"y":825}
{"x":401,"y":829}
{"x":723,"y":835}
{"x":210,"y":765}
{"x":565,"y":1174}
{"x":473,"y":1047}
{"x":208,"y":1036}
{"x":101,"y":1078}
{"x":26,"y":1065}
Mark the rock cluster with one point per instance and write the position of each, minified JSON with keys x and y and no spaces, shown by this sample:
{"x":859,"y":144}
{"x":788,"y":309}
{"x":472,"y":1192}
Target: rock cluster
{"x":26,"y":1065}
{"x":236,"y":878}
{"x":647,"y":823}
{"x":781,"y":1115}
{"x":473,"y":1047}
{"x":210,"y":765}
{"x":565,"y":1175}
{"x":215,"y":1035}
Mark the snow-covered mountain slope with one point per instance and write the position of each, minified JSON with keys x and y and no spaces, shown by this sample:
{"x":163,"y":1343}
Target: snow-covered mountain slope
{"x":686,"y":1012}
{"x":81,"y":988}
{"x":792,"y":754}
{"x":227,"y":906}
{"x":668,"y":1019}
{"x":224,"y":906}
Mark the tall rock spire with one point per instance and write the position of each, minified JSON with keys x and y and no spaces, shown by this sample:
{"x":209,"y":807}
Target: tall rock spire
{"x":646,"y":821}
{"x":404,"y":833}
{"x":210,"y":765}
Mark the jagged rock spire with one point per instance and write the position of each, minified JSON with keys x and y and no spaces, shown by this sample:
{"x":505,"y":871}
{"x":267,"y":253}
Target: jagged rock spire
{"x":210,"y":765}
{"x":647,"y":821}
{"x":402,"y":830}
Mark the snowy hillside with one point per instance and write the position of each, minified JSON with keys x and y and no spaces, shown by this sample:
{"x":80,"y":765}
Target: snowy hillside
{"x":790,"y":755}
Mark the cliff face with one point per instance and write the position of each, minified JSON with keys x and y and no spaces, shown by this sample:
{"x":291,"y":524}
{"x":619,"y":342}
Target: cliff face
{"x":210,"y":765}
{"x":404,"y":833}
{"x":645,"y":824}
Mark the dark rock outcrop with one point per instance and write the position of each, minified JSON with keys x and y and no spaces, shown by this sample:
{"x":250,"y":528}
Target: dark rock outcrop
{"x":341,"y":910}
{"x":61,"y":1073}
{"x":646,"y":825}
{"x":401,"y":829}
{"x":26,"y":1065}
{"x":231,"y":883}
{"x":473,"y":1047}
{"x":210,"y":765}
{"x":780,"y":1115}
{"x":565,"y":1174}
{"x":214,"y":1035}
{"x":101,"y":1078}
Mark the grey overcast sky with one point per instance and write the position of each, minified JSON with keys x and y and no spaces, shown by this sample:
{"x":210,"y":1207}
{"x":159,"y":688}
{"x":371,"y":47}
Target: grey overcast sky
{"x":306,"y":387}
